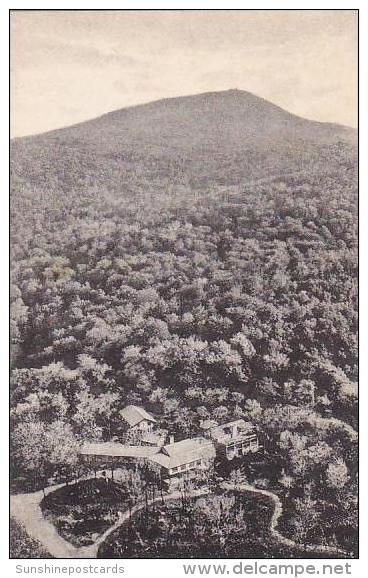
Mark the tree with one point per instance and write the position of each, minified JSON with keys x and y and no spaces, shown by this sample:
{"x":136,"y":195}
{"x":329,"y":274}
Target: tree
{"x":237,"y":478}
{"x":337,"y":474}
{"x":41,"y":450}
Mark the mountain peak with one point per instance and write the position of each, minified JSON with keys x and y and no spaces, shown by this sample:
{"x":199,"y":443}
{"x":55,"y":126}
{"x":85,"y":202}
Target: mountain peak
{"x":203,"y":139}
{"x":230,"y":97}
{"x":229,"y":117}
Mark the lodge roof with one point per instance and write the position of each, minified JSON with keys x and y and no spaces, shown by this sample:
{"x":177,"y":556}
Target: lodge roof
{"x":134,"y":415}
{"x":154,"y":438}
{"x":242,"y":428}
{"x":208,"y":424}
{"x":115,"y":449}
{"x":184,"y":452}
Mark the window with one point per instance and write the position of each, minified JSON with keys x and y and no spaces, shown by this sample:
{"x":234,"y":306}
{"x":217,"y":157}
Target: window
{"x":174,"y":470}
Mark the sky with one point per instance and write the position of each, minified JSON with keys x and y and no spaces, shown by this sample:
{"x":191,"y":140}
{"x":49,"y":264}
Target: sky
{"x":70,"y":66}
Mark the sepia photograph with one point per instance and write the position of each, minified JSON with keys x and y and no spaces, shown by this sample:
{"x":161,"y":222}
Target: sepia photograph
{"x":183,"y":284}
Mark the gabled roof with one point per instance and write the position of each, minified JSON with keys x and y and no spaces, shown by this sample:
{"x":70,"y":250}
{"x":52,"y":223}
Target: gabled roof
{"x":134,"y":415}
{"x":114,"y":449}
{"x":154,"y":438}
{"x":208,"y":424}
{"x":238,"y":422}
{"x":242,"y":427}
{"x":184,"y":452}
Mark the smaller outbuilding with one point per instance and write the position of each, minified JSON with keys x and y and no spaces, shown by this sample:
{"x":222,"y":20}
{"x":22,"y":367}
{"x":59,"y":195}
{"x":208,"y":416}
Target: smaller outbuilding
{"x":137,"y":419}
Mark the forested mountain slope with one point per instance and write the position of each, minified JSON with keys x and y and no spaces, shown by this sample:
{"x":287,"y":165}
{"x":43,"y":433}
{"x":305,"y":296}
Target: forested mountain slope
{"x":196,"y":256}
{"x":201,"y":140}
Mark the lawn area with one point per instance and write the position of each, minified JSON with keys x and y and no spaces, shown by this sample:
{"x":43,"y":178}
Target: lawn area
{"x":221,"y":525}
{"x":22,"y":546}
{"x":82,"y":511}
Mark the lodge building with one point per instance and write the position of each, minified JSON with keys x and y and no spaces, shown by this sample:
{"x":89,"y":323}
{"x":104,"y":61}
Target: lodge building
{"x":185,"y":459}
{"x":234,"y":439}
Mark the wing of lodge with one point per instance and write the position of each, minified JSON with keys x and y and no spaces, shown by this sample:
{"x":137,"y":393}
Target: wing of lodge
{"x":235,"y":438}
{"x":188,"y":458}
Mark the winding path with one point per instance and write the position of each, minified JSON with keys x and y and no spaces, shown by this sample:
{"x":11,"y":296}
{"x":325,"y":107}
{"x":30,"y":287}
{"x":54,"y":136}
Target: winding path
{"x":343,"y":425}
{"x":277,"y":512}
{"x":92,"y":550}
{"x":26,"y":509}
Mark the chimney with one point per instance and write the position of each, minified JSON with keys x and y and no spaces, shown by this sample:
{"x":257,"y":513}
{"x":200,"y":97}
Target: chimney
{"x":171,"y":440}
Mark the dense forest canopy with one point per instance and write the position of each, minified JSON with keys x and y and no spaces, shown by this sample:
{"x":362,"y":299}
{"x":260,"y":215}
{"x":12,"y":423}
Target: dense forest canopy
{"x":211,"y":275}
